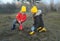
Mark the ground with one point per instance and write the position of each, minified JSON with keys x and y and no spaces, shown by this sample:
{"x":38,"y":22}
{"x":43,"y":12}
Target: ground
{"x":51,"y":21}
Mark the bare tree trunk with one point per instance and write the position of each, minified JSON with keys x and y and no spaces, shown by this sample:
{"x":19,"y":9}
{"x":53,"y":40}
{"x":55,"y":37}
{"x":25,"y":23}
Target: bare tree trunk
{"x":51,"y":4}
{"x":33,"y":2}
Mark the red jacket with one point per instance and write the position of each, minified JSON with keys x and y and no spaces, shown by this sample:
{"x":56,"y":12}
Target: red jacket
{"x":21,"y":17}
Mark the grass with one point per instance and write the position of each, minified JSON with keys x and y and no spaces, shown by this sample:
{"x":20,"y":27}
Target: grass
{"x":51,"y":21}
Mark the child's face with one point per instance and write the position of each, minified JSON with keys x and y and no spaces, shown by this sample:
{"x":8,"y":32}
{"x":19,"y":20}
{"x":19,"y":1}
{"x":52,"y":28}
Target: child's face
{"x":23,"y":12}
{"x":33,"y":13}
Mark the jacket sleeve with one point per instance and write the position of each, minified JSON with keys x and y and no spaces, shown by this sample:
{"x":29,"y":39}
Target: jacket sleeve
{"x":18,"y":17}
{"x":24,"y":18}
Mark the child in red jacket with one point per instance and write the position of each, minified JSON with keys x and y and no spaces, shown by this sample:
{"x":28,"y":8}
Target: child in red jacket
{"x":20,"y":18}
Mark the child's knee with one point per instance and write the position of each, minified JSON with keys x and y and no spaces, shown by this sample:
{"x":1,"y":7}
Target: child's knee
{"x":32,"y":28}
{"x":14,"y":22}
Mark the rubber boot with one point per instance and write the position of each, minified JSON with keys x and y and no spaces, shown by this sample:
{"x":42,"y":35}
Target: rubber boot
{"x":32,"y":31}
{"x":42,"y":30}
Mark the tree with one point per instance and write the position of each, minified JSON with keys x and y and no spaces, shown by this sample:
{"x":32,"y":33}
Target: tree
{"x":51,"y":4}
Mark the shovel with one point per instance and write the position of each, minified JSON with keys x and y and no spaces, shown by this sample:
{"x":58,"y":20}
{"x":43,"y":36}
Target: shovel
{"x":20,"y":26}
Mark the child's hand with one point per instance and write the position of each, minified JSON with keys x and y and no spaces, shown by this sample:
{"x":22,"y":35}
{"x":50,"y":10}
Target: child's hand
{"x":19,"y":21}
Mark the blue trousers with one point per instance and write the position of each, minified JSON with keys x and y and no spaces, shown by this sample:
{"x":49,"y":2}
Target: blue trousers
{"x":14,"y":24}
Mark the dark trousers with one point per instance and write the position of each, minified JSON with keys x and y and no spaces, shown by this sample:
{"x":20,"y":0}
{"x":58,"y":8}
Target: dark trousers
{"x":38,"y":22}
{"x":14,"y":24}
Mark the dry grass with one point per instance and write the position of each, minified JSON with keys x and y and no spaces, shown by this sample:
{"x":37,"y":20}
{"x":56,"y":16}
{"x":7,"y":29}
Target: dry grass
{"x":52,"y":24}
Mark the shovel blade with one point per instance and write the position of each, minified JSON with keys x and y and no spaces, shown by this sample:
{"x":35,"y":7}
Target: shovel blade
{"x":20,"y":27}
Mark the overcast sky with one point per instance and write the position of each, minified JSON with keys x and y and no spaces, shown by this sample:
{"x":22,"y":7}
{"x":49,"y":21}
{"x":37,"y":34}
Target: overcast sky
{"x":48,"y":1}
{"x":5,"y":1}
{"x":45,"y":1}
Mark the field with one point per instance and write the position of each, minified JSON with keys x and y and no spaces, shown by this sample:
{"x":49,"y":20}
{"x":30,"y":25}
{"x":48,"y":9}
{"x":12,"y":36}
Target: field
{"x":51,"y":21}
